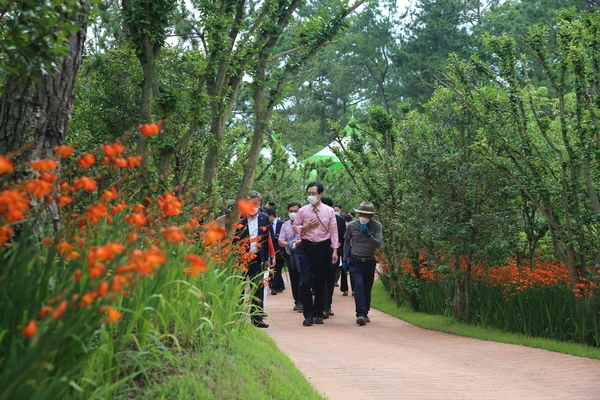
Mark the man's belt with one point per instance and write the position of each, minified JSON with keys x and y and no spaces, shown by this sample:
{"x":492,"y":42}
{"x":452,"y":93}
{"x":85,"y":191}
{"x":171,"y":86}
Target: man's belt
{"x":328,"y":241}
{"x":363,"y":259}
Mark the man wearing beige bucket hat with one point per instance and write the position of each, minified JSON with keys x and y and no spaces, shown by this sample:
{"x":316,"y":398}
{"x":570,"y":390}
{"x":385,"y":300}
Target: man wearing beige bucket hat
{"x":362,"y":239}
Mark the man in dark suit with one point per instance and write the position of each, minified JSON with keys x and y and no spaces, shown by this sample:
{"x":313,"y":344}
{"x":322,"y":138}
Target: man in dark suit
{"x":277,"y":285}
{"x":256,"y":235}
{"x":331,"y":274}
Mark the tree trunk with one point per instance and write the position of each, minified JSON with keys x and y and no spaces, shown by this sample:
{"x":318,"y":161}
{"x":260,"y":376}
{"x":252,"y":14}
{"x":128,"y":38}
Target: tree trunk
{"x":36,"y":115}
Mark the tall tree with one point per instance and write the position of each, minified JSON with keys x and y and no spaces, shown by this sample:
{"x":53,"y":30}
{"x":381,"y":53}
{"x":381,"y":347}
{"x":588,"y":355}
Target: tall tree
{"x":435,"y":29}
{"x":266,"y":95}
{"x":34,"y":111}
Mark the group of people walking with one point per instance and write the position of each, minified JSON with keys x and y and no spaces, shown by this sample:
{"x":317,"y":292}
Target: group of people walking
{"x":314,"y":243}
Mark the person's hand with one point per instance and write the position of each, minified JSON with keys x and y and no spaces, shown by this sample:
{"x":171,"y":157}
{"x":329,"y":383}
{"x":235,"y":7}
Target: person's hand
{"x":346,"y":266}
{"x":313,"y":223}
{"x":364,"y":229}
{"x":334,"y":258}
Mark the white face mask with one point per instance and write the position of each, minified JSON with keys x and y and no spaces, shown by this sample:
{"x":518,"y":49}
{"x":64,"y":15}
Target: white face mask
{"x":313,"y":199}
{"x":292,"y":215}
{"x":337,"y":213}
{"x":363,"y":220}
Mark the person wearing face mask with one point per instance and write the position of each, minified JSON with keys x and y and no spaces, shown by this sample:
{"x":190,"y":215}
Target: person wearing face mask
{"x":365,"y":235}
{"x":277,"y":284}
{"x":333,"y":273}
{"x":255,"y":229}
{"x":318,"y":249}
{"x":290,"y":240}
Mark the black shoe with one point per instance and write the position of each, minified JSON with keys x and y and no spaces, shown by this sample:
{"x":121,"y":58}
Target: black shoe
{"x":345,"y":293}
{"x":260,"y":323}
{"x":331,"y":314}
{"x":325,"y":314}
{"x":297,"y":308}
{"x":361,"y":320}
{"x":273,"y":292}
{"x":319,"y":320}
{"x":367,"y":318}
{"x":280,"y":290}
{"x":308,"y":322}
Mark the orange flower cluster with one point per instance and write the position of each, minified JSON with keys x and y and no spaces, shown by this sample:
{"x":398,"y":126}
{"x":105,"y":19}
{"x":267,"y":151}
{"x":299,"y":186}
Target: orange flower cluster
{"x":13,"y":205}
{"x":150,"y":129}
{"x":6,"y":166}
{"x":169,"y":204}
{"x":214,"y":233}
{"x":138,"y":217}
{"x":173,"y":234}
{"x":246,"y":207}
{"x":197,"y":265}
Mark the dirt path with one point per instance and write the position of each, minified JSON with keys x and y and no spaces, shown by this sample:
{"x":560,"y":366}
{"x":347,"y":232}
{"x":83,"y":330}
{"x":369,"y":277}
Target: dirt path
{"x":392,"y":359}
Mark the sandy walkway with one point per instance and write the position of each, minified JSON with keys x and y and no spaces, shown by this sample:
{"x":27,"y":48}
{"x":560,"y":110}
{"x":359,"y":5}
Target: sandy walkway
{"x":391,"y":359}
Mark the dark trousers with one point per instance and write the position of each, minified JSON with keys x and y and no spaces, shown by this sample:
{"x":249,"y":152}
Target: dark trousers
{"x":294,"y":281}
{"x":363,"y":273}
{"x":330,"y":285}
{"x":315,"y":262}
{"x":344,"y":281}
{"x":277,"y":282}
{"x":255,"y":275}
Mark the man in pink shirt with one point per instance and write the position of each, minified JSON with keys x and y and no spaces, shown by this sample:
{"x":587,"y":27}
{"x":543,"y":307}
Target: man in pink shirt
{"x":317,"y":227}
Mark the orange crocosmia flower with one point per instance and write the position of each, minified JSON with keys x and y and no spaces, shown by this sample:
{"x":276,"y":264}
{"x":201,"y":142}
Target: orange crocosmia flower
{"x":170,"y":204}
{"x":43,"y":165}
{"x":132,"y":237}
{"x":238,"y":225}
{"x":45,"y":310}
{"x":63,"y":200}
{"x":149,"y":129}
{"x":116,"y":209}
{"x":96,"y":270}
{"x":5,"y":233}
{"x":30,"y":330}
{"x":120,"y":162}
{"x":48,"y":177}
{"x":60,"y":310}
{"x":64,"y":151}
{"x":246,"y":207}
{"x":112,"y":315}
{"x":263,"y":228}
{"x":39,"y":188}
{"x":214,"y":233}
{"x":111,"y":150}
{"x":173,"y":234}
{"x":6,"y":166}
{"x":198,"y":265}
{"x":134,"y":161}
{"x":87,"y":299}
{"x":136,"y":219}
{"x":109,"y":194}
{"x":13,"y":205}
{"x":95,"y":212}
{"x":103,"y":288}
{"x":86,"y":160}
{"x":85,"y":183}
{"x":192,"y":224}
{"x":77,"y":275}
{"x":65,"y":247}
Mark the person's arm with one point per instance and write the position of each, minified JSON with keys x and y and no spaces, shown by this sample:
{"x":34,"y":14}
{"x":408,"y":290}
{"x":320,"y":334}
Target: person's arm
{"x":298,"y":223}
{"x":376,"y":236}
{"x":347,"y":239}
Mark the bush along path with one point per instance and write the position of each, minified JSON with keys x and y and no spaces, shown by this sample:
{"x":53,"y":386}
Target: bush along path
{"x":389,"y":358}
